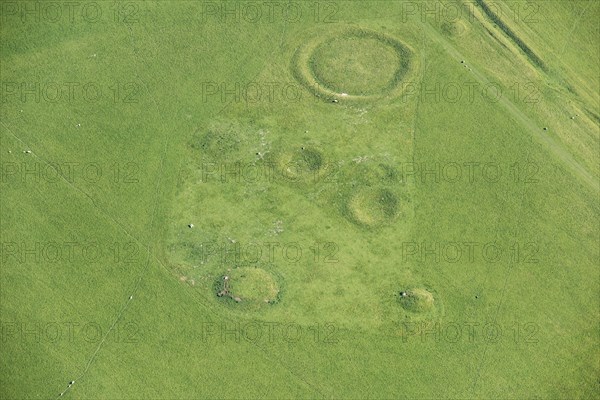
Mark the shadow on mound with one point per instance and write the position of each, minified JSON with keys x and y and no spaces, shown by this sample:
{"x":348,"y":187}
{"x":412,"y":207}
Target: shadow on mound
{"x":454,"y":29}
{"x":372,"y":207}
{"x":417,"y":300}
{"x":301,"y":164}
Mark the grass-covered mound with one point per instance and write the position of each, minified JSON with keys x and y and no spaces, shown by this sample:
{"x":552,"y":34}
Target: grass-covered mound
{"x":247,"y":285}
{"x":353,"y":64}
{"x":300,"y":164}
{"x":372,"y":206}
{"x":417,"y":300}
{"x":356,"y":64}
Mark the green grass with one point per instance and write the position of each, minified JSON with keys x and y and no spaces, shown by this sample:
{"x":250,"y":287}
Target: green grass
{"x":373,"y":206}
{"x":249,"y":286}
{"x":417,"y":301}
{"x":365,"y":65}
{"x":312,"y":205}
{"x":353,"y":64}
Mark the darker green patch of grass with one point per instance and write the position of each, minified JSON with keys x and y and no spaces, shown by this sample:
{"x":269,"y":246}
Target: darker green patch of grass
{"x":218,"y":140}
{"x":416,"y":300}
{"x":453,"y":28}
{"x":215,"y":143}
{"x":388,"y":202}
{"x":312,"y":158}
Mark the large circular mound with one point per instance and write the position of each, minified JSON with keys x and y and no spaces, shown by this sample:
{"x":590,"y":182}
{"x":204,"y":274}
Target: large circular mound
{"x":249,"y":285}
{"x":372,"y":207}
{"x":417,"y":300}
{"x":352,"y":64}
{"x":356,"y":65}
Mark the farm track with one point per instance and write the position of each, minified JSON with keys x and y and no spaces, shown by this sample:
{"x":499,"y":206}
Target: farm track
{"x":536,"y":131}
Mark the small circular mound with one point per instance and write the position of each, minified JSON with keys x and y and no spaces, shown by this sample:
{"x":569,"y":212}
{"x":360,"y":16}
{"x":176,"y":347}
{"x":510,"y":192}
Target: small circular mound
{"x":372,"y":207}
{"x":455,"y":28}
{"x":249,"y":285}
{"x":417,"y":300}
{"x":301,"y":164}
{"x":221,"y":138}
{"x":356,"y":65}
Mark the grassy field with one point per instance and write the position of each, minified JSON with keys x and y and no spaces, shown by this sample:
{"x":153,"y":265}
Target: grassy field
{"x":333,"y":199}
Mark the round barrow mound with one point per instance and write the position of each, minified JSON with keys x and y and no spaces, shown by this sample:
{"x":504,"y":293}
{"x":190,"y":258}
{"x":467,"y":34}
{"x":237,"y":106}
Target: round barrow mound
{"x":417,"y":300}
{"x":356,"y":65}
{"x":219,"y":138}
{"x":454,"y":28}
{"x":372,"y":207}
{"x":352,"y":64}
{"x":249,"y":285}
{"x":301,"y":164}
